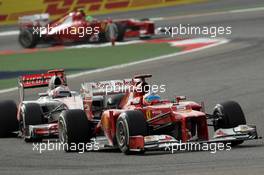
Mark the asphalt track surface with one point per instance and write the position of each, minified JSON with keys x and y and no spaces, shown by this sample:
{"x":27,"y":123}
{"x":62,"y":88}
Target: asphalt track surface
{"x":231,"y":71}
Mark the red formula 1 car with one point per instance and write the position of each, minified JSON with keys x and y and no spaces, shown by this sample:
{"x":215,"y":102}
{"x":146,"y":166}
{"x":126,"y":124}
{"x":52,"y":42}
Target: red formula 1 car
{"x":37,"y":119}
{"x":77,"y":27}
{"x":136,"y":120}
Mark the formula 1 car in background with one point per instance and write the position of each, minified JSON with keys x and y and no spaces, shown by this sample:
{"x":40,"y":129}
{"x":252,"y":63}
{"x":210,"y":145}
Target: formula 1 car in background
{"x":137,"y":120}
{"x":37,"y":119}
{"x":77,"y":27}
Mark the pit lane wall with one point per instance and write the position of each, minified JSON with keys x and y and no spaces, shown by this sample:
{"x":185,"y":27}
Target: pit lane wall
{"x":10,"y":10}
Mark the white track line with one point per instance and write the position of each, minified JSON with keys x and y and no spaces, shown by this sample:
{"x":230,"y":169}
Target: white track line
{"x":220,"y":42}
{"x":247,"y":10}
{"x":8,"y":90}
{"x":103,"y":45}
{"x":9,"y":33}
{"x":209,"y":14}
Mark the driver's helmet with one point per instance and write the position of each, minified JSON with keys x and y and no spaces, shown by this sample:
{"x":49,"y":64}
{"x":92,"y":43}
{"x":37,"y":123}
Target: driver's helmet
{"x":89,"y":18}
{"x":151,"y":98}
{"x":54,"y":82}
{"x":60,"y":91}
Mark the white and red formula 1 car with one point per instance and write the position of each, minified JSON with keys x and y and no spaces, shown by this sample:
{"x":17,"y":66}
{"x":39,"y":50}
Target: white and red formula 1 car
{"x":37,"y":119}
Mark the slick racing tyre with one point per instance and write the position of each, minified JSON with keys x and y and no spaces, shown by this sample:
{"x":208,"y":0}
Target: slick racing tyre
{"x":74,"y":129}
{"x":129,"y":123}
{"x":121,"y":28}
{"x":8,"y":118}
{"x":229,"y":115}
{"x":28,"y":39}
{"x":31,"y":115}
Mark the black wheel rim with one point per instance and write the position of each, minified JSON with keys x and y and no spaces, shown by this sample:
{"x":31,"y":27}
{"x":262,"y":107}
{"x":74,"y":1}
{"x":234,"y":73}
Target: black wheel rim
{"x":122,"y":134}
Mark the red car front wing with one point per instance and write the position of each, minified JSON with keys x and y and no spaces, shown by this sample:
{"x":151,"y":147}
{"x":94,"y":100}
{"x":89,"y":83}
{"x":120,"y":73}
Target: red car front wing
{"x":166,"y":142}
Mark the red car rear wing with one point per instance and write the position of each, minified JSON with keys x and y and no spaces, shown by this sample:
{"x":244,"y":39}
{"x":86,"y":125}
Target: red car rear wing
{"x":103,"y":88}
{"x":39,"y":80}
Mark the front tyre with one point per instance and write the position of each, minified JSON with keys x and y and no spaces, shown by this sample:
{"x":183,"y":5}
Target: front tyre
{"x":74,"y":129}
{"x":28,"y":39}
{"x":129,"y":123}
{"x":31,"y":115}
{"x":229,"y":115}
{"x":121,"y":32}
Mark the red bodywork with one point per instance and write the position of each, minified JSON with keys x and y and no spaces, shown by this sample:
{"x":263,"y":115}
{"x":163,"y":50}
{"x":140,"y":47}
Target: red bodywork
{"x":40,"y":80}
{"x":135,"y":28}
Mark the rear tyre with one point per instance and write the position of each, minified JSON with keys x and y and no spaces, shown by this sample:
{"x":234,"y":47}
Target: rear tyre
{"x":8,"y":118}
{"x":102,"y":37}
{"x":28,"y":39}
{"x":130,"y":123}
{"x":114,"y":101}
{"x":121,"y":32}
{"x":229,"y":115}
{"x":74,"y":129}
{"x":31,"y":115}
